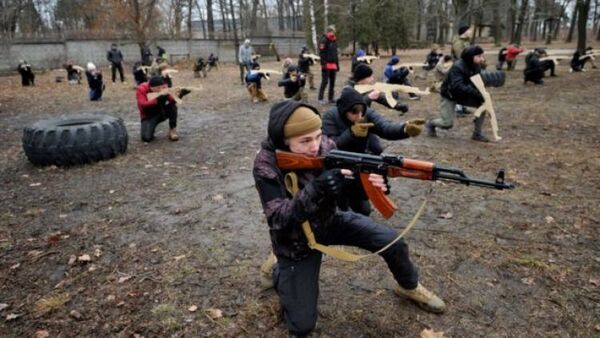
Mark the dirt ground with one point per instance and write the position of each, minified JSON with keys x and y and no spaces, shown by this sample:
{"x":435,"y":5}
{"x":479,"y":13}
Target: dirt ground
{"x":171,"y":225}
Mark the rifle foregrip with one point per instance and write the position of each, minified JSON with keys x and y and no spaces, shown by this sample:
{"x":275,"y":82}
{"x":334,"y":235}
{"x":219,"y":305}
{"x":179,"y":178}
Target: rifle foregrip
{"x":378,"y":198}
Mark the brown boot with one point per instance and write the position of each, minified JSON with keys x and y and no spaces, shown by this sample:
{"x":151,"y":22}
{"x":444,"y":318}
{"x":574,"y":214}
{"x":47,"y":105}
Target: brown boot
{"x":266,"y":272}
{"x":426,"y":299}
{"x":173,"y":135}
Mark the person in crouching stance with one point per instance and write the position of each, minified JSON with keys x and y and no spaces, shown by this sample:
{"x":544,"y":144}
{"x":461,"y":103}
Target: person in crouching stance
{"x":95,"y":82}
{"x":296,"y":127}
{"x":457,"y":88}
{"x":254,"y":85}
{"x":156,"y":110}
{"x":293,"y":84}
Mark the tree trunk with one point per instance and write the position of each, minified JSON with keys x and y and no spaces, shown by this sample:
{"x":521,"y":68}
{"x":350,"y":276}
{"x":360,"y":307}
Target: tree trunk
{"x":236,"y":41}
{"x":419,"y":18}
{"x":512,"y":18}
{"x":313,"y":23}
{"x":573,"y":21}
{"x":584,"y":10}
{"x":199,"y":9}
{"x":520,"y":23}
{"x":190,"y":4}
{"x":253,"y":14}
{"x":497,"y":30}
{"x":280,"y":15}
{"x":210,"y":23}
{"x":461,"y":13}
{"x":293,"y":18}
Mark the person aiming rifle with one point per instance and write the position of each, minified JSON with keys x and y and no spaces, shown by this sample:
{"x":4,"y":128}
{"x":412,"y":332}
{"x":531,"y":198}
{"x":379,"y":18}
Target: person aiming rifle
{"x":157,"y":109}
{"x":458,"y":89}
{"x":27,"y":76}
{"x":306,"y":206}
{"x":355,"y":127}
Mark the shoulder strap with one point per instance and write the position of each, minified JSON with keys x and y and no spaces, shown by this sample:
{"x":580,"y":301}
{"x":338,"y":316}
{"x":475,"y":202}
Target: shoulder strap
{"x":291,"y":184}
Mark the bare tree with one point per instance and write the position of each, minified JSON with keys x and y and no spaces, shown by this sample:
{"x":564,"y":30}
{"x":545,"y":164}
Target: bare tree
{"x":573,"y":23}
{"x":583,"y":12}
{"x":520,"y":22}
{"x":210,"y":23}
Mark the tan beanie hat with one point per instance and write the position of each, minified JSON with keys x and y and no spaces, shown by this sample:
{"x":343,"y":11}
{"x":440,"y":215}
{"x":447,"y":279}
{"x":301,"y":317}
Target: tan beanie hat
{"x":302,"y":121}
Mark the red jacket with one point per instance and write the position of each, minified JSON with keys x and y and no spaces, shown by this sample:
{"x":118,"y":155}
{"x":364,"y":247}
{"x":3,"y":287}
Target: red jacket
{"x":141,"y":94}
{"x":512,"y":52}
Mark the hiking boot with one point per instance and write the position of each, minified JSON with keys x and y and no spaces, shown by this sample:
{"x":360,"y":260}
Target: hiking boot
{"x":479,"y":137}
{"x":173,"y":135}
{"x":430,"y":129}
{"x":426,"y":299}
{"x":266,"y":272}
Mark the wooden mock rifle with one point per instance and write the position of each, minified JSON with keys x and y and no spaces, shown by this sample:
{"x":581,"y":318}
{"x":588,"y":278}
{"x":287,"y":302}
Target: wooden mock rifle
{"x":389,"y":89}
{"x":388,"y":166}
{"x":313,"y":57}
{"x":553,"y":58}
{"x":265,"y":72}
{"x":174,"y":91}
{"x":367,"y":58}
{"x":409,"y":65}
{"x":487,"y":105}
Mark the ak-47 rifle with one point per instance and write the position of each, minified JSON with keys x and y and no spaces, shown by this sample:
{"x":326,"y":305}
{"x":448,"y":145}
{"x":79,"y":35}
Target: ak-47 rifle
{"x":174,"y":91}
{"x":313,"y":57}
{"x":266,"y":72}
{"x":591,"y":55}
{"x":391,"y":166}
{"x":409,"y":65}
{"x":388,"y":89}
{"x":367,"y":58}
{"x":487,"y":105}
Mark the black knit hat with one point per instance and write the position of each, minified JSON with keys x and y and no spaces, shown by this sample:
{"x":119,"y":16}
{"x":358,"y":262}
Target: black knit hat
{"x":156,"y":81}
{"x":463,"y":29}
{"x":362,"y":71}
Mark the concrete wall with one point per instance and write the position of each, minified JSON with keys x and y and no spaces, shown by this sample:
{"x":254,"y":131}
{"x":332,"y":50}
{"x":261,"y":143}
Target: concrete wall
{"x":49,"y":55}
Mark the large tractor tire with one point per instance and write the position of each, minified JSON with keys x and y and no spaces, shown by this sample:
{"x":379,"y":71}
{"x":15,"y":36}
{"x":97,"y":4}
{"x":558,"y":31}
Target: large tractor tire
{"x":492,"y":78}
{"x":73,"y":140}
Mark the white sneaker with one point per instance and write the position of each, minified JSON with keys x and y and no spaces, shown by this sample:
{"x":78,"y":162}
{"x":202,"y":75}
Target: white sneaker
{"x":426,"y":299}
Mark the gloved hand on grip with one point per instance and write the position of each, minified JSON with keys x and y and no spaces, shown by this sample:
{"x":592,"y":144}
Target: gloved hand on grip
{"x":414,"y":127}
{"x":330,"y":182}
{"x":361,"y":129}
{"x":183,"y":92}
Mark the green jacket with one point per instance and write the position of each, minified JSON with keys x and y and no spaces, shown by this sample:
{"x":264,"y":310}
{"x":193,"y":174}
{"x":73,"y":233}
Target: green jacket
{"x":458,"y":45}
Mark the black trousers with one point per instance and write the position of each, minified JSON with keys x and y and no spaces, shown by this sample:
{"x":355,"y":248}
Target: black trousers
{"x":355,"y":198}
{"x":548,"y":65}
{"x":157,"y":115}
{"x":297,"y":282}
{"x":327,"y":76}
{"x":114,"y":68}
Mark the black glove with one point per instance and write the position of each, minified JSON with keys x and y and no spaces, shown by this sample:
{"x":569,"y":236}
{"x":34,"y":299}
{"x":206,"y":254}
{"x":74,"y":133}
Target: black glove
{"x":183,"y":92}
{"x":330,"y":182}
{"x":162,"y":99}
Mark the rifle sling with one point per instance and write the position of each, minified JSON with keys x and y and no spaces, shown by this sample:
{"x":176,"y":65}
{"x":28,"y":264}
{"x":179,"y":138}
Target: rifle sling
{"x":291,"y":184}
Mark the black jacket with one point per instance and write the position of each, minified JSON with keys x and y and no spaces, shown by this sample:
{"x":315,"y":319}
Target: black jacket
{"x":432,"y":60}
{"x":290,"y":88}
{"x":337,"y":126}
{"x":94,"y":80}
{"x":114,"y":56}
{"x":328,"y":52}
{"x":304,"y":64}
{"x":458,"y":86}
{"x":286,"y":213}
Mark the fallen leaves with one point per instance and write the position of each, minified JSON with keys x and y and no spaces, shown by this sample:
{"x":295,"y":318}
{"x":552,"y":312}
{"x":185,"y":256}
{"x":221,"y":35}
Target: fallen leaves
{"x":447,"y":215}
{"x":430,"y":333}
{"x":41,"y":334}
{"x":124,"y":279}
{"x":12,"y":316}
{"x":178,"y":258}
{"x":549,"y":219}
{"x":192,"y":308}
{"x":595,"y":281}
{"x":84,"y":258}
{"x":3,"y":306}
{"x":214,"y":313}
{"x":528,"y":281}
